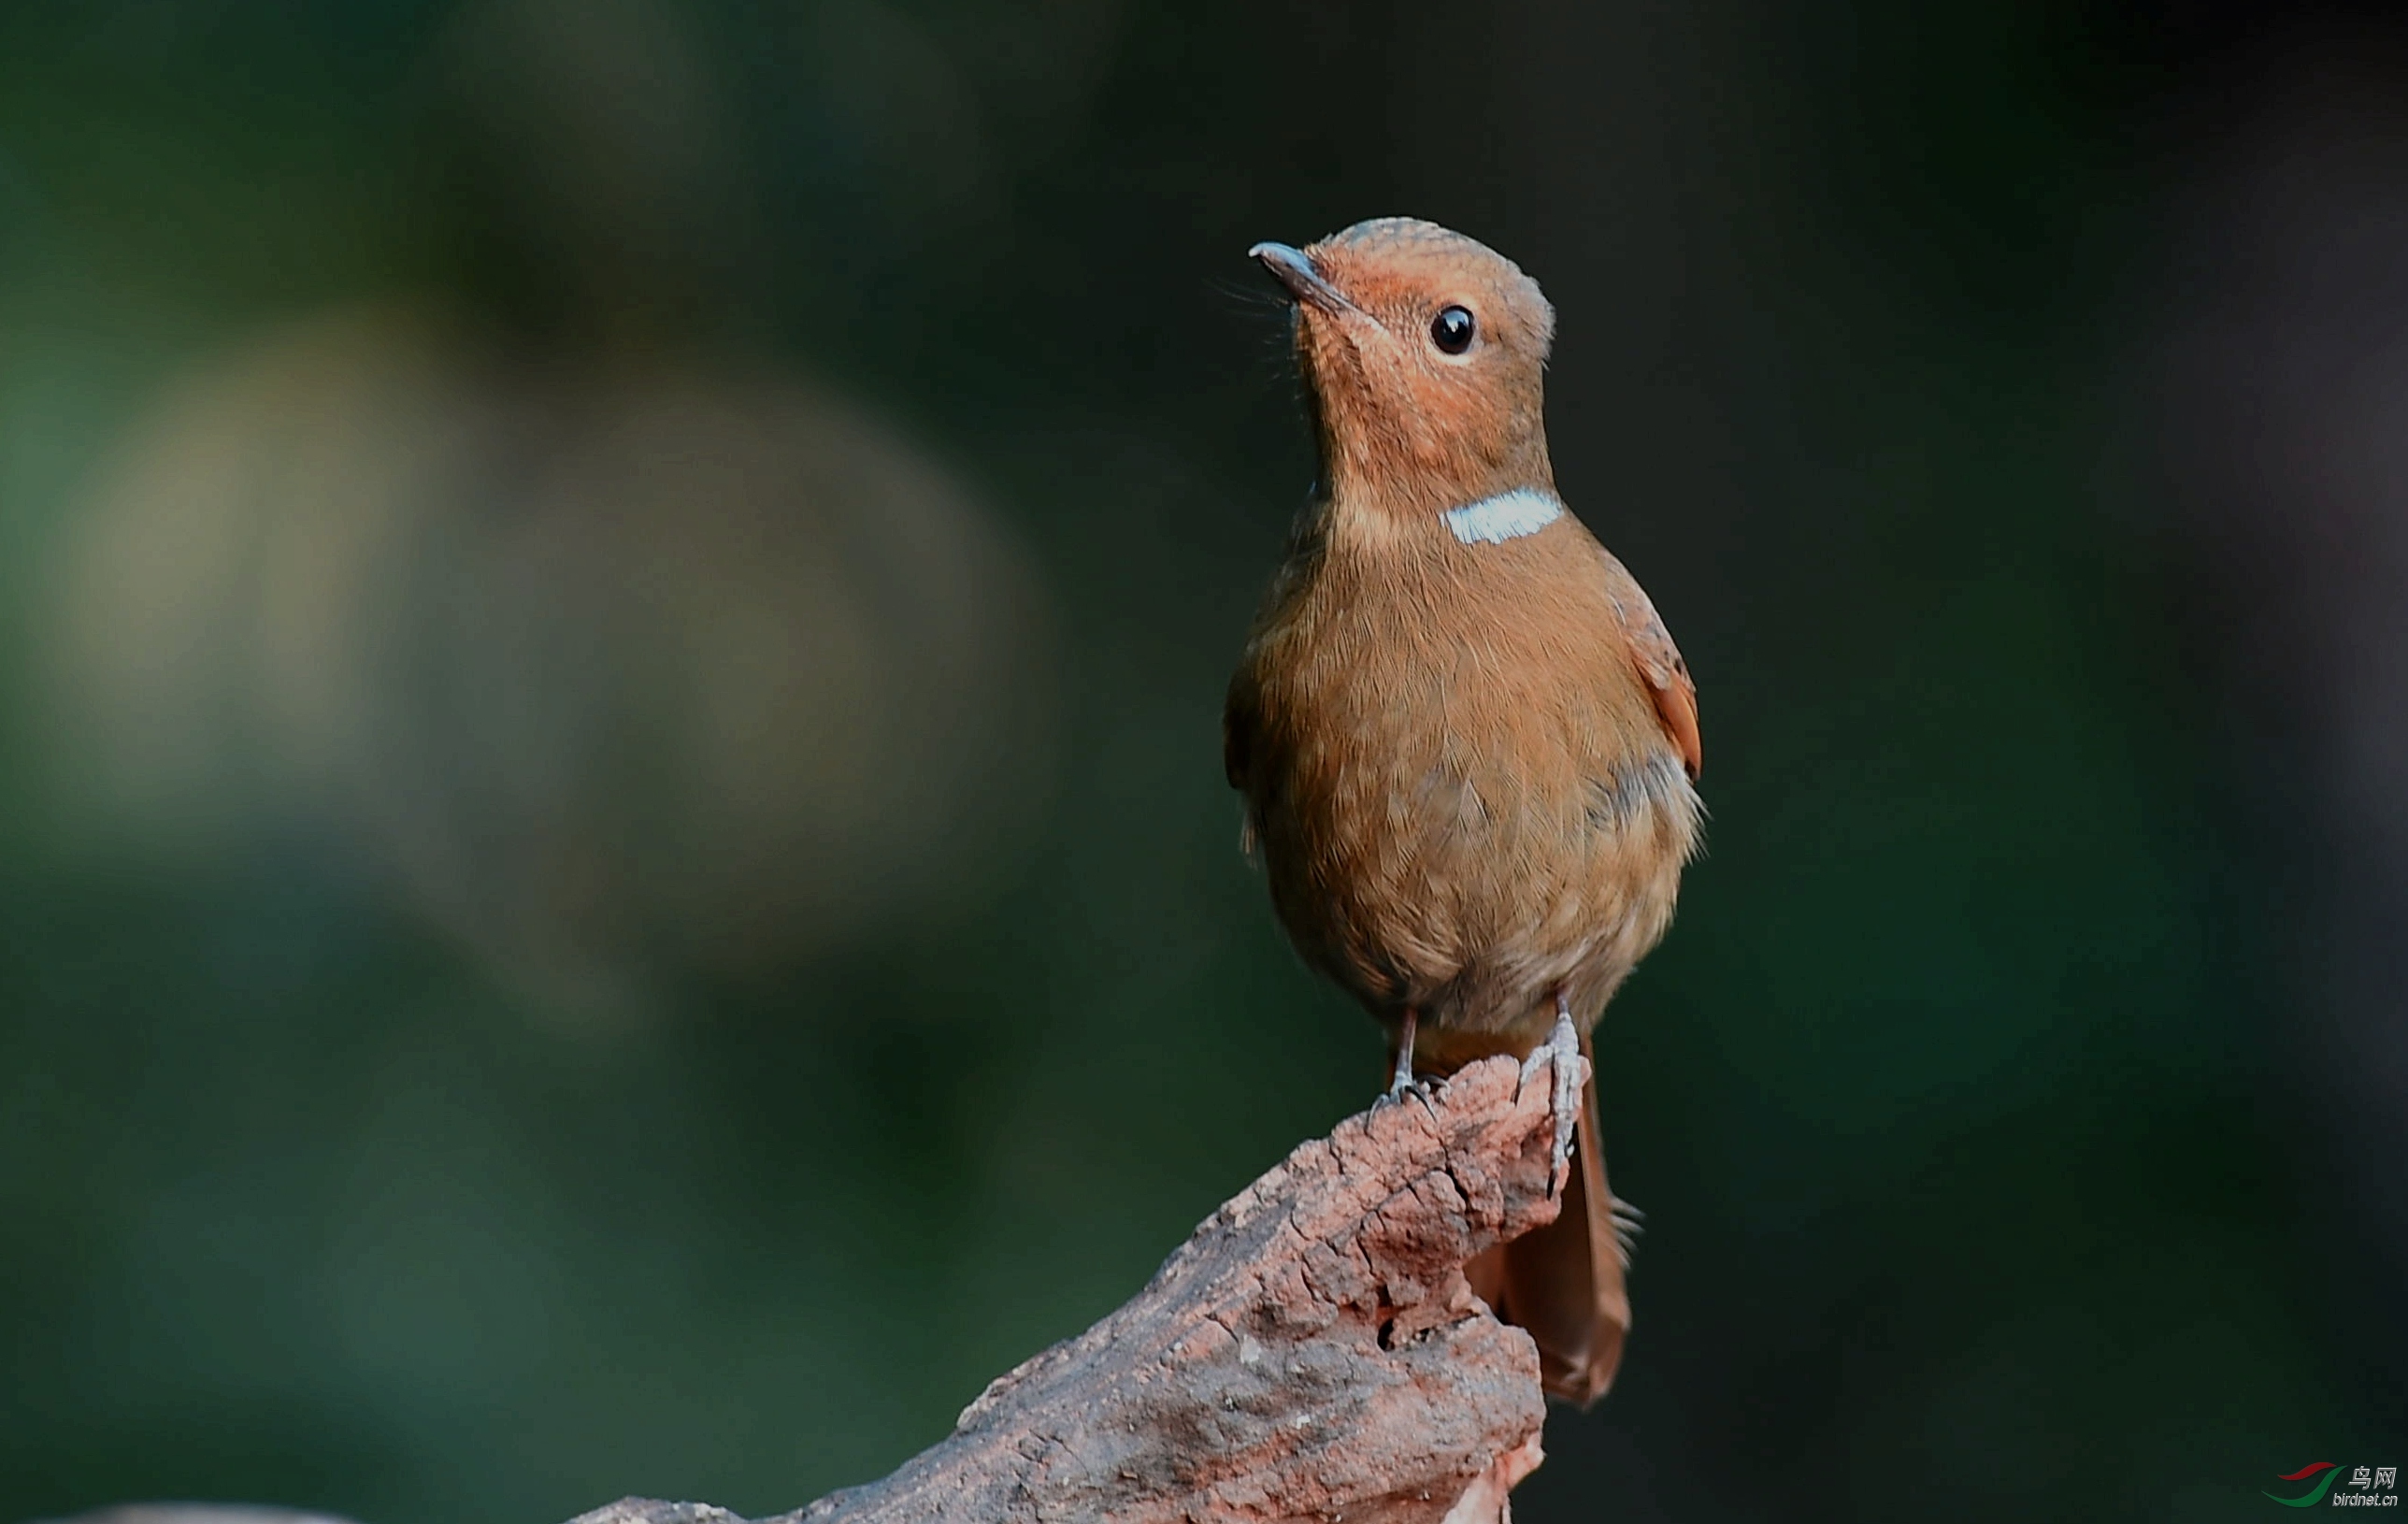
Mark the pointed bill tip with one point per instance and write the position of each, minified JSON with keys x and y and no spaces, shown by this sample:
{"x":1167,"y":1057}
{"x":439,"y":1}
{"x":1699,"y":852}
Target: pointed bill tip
{"x":1294,"y":269}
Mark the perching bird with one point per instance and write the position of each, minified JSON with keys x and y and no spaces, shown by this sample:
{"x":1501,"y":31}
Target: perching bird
{"x":1467,"y":744}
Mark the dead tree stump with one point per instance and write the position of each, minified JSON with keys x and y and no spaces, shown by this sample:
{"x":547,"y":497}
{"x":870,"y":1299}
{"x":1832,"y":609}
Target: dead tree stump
{"x":1312,"y":1352}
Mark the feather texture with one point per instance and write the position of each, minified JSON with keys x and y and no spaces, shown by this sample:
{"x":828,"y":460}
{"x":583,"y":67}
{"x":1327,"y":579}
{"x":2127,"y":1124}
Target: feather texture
{"x":1466,"y":741}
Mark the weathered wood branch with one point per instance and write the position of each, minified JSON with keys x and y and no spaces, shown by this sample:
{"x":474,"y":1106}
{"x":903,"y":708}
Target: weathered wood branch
{"x":1312,"y":1352}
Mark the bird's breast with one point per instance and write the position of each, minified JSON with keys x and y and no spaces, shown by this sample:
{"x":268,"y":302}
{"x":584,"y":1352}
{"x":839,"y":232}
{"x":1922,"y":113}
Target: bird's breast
{"x":1462,"y":792}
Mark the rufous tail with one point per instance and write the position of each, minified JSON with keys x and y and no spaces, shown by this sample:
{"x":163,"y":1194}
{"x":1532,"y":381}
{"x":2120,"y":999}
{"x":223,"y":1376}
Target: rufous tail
{"x":1563,"y":1282}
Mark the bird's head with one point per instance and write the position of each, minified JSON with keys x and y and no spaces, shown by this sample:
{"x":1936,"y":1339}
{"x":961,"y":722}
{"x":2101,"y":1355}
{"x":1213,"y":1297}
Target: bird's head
{"x":1424,"y":353}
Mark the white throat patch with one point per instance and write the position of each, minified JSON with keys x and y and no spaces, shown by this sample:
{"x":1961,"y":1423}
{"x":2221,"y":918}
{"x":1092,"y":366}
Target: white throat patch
{"x":1508,"y":516}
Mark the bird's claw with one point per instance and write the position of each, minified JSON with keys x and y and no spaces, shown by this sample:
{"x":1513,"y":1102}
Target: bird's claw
{"x":1406,"y":1083}
{"x":1629,"y":1223}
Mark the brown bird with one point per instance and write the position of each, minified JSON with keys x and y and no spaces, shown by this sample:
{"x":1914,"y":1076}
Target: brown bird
{"x":1466,"y":742}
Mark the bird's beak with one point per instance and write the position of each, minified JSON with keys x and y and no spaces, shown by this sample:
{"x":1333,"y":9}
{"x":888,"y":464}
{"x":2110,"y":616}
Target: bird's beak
{"x":1293,"y":269}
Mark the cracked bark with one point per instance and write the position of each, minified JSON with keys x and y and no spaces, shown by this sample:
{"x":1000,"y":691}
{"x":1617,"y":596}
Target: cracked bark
{"x":1311,"y":1351}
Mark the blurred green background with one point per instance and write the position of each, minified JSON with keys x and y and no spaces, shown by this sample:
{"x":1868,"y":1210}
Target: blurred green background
{"x":613,"y":870}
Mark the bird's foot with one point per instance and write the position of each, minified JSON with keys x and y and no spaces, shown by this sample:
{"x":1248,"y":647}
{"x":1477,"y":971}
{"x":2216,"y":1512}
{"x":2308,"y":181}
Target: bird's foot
{"x":1401,"y":1082}
{"x":1408,"y":1084}
{"x":1561,"y":1054}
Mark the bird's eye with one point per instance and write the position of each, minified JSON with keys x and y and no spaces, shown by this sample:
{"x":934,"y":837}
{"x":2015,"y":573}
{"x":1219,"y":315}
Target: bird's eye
{"x":1452,"y":330}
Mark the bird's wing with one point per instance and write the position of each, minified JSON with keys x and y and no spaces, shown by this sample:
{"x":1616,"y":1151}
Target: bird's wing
{"x":1659,"y":662}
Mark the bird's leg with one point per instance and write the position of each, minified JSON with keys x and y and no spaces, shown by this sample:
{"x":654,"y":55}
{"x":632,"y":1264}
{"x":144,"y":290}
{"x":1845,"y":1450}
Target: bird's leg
{"x":1401,"y":1083}
{"x":1565,"y":1039}
{"x":1401,"y":1079}
{"x":1564,"y":1042}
